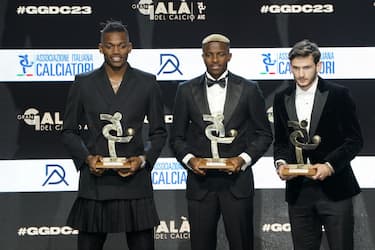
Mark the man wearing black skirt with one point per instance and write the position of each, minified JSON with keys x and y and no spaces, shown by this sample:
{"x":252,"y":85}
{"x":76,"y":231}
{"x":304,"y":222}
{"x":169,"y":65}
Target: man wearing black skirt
{"x":118,"y":97}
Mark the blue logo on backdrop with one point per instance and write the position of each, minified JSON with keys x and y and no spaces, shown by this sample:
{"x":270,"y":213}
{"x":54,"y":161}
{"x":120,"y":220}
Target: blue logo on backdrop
{"x":25,"y":63}
{"x":55,"y":175}
{"x":169,"y":64}
{"x":268,"y":62}
{"x":278,"y":63}
{"x":168,"y":173}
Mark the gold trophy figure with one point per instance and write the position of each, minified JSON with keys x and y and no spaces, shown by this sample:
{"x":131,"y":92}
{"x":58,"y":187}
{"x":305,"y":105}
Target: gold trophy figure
{"x":215,"y":132}
{"x":113,"y":161}
{"x":301,"y":141}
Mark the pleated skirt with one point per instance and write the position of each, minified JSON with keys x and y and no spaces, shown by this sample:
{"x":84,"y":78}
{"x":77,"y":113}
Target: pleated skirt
{"x":113,"y":216}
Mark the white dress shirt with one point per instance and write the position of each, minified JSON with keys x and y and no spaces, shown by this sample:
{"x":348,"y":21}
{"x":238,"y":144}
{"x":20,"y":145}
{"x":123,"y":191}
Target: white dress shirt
{"x":304,"y":102}
{"x":216,"y":96}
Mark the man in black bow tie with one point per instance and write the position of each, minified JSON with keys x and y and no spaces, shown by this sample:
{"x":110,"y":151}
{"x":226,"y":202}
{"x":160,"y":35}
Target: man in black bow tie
{"x":221,"y":82}
{"x":211,"y":193}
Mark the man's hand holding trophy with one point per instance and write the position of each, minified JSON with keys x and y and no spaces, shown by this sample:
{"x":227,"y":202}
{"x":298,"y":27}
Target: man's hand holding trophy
{"x":301,"y":141}
{"x":124,"y":166}
{"x":215,"y":132}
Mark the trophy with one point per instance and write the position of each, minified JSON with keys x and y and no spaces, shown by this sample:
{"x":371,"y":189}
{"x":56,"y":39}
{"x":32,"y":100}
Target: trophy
{"x":215,"y":132}
{"x":301,"y":140}
{"x":113,"y":161}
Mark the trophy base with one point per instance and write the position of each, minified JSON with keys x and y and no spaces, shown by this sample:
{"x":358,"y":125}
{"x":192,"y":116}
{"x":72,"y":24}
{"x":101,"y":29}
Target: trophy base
{"x":299,"y":169}
{"x":220,"y":163}
{"x":113,"y":163}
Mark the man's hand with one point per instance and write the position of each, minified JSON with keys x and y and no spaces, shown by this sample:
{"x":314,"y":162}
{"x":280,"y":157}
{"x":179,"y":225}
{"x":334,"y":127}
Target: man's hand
{"x":280,"y":173}
{"x":235,"y":164}
{"x":322,"y":172}
{"x":195,"y":163}
{"x":134,"y":162}
{"x":91,"y":160}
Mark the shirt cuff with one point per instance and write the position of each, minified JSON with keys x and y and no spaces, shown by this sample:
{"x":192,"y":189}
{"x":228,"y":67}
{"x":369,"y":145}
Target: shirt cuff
{"x":246,"y":157}
{"x":330,"y":166}
{"x":143,"y":159}
{"x":280,"y":162}
{"x":186,"y":160}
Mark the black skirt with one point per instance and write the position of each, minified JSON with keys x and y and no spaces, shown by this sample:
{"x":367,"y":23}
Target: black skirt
{"x":113,"y":216}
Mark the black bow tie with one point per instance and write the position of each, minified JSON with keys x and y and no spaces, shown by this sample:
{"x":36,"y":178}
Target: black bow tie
{"x":221,"y":82}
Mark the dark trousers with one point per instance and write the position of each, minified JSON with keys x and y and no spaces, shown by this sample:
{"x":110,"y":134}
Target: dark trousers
{"x":312,"y":211}
{"x":237,"y":217}
{"x":142,"y":240}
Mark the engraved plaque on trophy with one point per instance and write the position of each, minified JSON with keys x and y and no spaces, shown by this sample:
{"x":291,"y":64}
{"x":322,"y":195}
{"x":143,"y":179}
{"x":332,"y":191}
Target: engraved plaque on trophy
{"x":215,"y":132}
{"x":301,"y":141}
{"x":114,"y":161}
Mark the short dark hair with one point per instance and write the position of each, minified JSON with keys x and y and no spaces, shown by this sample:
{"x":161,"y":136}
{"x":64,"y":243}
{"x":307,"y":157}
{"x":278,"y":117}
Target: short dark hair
{"x":305,"y":48}
{"x":113,"y":26}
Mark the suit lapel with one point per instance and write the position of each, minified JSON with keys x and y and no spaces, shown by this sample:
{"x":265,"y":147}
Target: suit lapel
{"x":290,"y":105}
{"x":234,"y":90}
{"x":320,"y":100}
{"x":200,"y":95}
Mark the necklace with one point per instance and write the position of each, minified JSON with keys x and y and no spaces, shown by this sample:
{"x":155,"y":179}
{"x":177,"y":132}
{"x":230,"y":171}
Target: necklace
{"x":115,"y":84}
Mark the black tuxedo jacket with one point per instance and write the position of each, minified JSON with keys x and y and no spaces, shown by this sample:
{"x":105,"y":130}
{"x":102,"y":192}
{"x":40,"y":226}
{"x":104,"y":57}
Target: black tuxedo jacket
{"x":91,"y":95}
{"x":334,"y":119}
{"x":244,"y":111}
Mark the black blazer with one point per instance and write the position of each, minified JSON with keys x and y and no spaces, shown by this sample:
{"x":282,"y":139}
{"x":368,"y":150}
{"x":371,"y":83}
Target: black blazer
{"x":138,"y":96}
{"x":334,"y":119}
{"x":244,"y":110}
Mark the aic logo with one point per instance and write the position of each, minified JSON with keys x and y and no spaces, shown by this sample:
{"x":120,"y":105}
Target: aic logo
{"x":278,"y":63}
{"x":25,"y":64}
{"x":55,"y":64}
{"x":47,"y":121}
{"x":172,"y":10}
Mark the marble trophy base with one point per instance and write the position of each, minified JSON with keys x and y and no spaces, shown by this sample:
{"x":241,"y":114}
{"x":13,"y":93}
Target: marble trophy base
{"x":216,"y":163}
{"x":113,"y":163}
{"x":299,"y":169}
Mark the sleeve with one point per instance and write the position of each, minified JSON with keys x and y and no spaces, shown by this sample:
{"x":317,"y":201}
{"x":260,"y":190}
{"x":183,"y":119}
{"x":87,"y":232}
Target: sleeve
{"x":157,"y":131}
{"x":281,"y":144}
{"x":71,"y":132}
{"x":180,"y":125}
{"x":349,"y":125}
{"x":261,"y":135}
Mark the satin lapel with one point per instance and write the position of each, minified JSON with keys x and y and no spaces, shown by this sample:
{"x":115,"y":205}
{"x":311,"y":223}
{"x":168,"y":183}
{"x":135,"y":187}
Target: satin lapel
{"x":200,"y":96}
{"x":319,"y":103}
{"x":234,"y":91}
{"x":290,"y":106}
{"x":103,"y":86}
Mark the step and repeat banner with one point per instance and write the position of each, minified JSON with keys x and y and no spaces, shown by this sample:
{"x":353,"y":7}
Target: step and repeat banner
{"x":44,"y":44}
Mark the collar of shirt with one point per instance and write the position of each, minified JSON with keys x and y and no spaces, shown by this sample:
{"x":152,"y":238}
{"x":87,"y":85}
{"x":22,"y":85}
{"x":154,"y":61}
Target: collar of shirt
{"x":304,"y":102}
{"x":310,"y":91}
{"x":224,"y":75}
{"x":216,"y":95}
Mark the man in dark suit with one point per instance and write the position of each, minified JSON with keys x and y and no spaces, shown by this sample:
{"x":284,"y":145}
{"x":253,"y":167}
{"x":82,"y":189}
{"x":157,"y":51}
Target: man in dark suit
{"x":114,"y":201}
{"x":228,"y":192}
{"x":325,"y":198}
